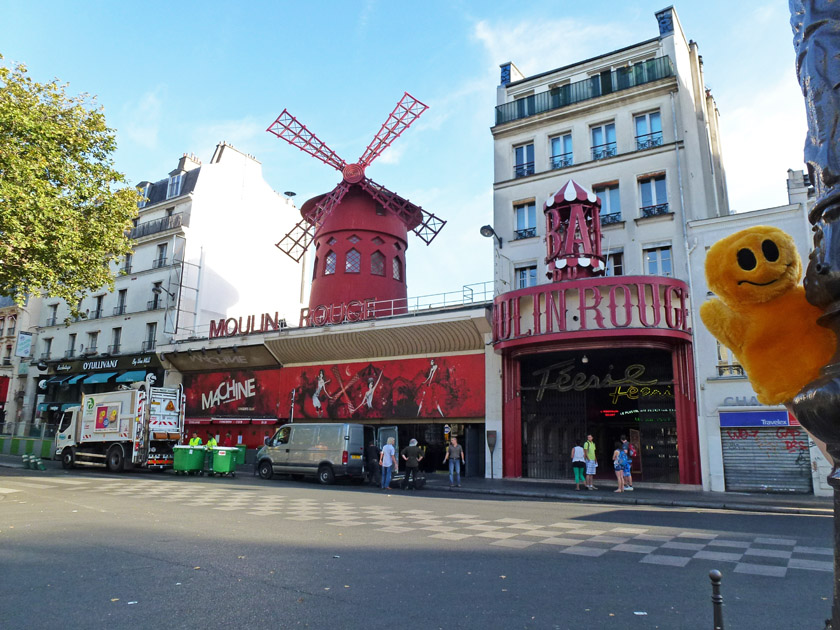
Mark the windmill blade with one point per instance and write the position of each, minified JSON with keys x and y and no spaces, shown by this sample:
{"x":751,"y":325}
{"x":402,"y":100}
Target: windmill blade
{"x":297,"y":241}
{"x":423,"y":224}
{"x":405,"y":113}
{"x":290,"y":129}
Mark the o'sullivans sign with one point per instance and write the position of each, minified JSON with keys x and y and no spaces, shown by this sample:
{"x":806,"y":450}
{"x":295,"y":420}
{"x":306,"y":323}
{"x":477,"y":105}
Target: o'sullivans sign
{"x":592,"y":305}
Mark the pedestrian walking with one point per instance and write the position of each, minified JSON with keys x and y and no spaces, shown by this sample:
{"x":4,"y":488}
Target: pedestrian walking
{"x":388,"y":463}
{"x":413,"y":455}
{"x":619,"y":460}
{"x":629,"y":454}
{"x":591,"y":462}
{"x":372,"y":459}
{"x":578,"y":464}
{"x":455,"y":457}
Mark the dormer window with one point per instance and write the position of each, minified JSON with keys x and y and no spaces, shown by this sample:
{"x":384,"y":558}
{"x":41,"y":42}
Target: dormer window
{"x":174,"y":188}
{"x":144,"y":191}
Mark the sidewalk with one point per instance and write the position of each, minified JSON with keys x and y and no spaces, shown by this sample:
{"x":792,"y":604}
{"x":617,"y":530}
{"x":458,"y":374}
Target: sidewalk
{"x":643,"y":494}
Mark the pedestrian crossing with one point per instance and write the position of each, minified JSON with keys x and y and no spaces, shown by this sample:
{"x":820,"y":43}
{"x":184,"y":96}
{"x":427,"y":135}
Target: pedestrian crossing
{"x":666,"y":547}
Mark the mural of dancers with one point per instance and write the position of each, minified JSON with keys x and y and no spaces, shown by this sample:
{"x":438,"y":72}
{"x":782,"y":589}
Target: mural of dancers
{"x":432,"y":390}
{"x":321,"y":386}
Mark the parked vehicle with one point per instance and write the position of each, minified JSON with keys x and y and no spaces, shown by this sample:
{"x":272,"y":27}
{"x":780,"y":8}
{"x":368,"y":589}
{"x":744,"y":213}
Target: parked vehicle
{"x":122,"y":429}
{"x":325,"y":450}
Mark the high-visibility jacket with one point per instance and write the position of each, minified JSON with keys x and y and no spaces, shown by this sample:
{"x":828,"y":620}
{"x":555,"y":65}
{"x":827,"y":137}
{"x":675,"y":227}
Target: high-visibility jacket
{"x":211,"y":442}
{"x":196,"y":441}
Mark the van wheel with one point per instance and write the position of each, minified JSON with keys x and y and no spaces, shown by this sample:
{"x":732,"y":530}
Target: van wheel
{"x":265,"y":469}
{"x":68,"y":458}
{"x":326,"y":475}
{"x":115,"y":461}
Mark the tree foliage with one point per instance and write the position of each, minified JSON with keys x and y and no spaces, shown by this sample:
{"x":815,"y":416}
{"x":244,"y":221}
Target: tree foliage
{"x":64,"y":209}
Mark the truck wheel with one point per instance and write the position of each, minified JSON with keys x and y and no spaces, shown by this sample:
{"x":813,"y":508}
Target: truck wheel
{"x":68,"y":458}
{"x":326,"y":475}
{"x":265,"y":469}
{"x":114,"y":460}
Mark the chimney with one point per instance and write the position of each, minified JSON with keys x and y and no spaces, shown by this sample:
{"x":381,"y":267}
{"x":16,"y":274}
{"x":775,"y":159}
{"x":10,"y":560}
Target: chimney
{"x":188,"y":162}
{"x":799,"y":187}
{"x":510,"y":73}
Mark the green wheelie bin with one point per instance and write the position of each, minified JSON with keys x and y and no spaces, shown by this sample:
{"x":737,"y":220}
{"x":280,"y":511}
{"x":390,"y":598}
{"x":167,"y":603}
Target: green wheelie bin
{"x":224,"y":460}
{"x":188,"y":459}
{"x":240,"y":454}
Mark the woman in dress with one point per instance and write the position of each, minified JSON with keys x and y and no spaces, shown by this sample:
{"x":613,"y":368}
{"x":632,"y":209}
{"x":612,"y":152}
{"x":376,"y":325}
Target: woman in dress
{"x":619,"y":460}
{"x":321,"y":386}
{"x":578,"y":464}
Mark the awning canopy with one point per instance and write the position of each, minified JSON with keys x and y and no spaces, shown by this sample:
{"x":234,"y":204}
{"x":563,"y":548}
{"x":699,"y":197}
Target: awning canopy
{"x":66,"y":406}
{"x":102,"y":377}
{"x":76,"y":379}
{"x":60,"y":378}
{"x":131,"y":377}
{"x":198,"y":420}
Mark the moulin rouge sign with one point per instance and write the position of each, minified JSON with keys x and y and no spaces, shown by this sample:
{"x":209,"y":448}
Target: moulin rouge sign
{"x":235,"y":326}
{"x":577,"y":299}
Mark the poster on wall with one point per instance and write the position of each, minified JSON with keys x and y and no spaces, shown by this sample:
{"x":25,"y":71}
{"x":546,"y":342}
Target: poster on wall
{"x":439,"y":387}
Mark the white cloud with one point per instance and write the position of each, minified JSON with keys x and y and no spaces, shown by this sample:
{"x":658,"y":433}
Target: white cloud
{"x":143,"y":120}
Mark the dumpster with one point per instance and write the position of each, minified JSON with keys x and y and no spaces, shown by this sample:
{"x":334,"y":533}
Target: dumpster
{"x":240,"y":454}
{"x":224,"y":460}
{"x":188,"y":459}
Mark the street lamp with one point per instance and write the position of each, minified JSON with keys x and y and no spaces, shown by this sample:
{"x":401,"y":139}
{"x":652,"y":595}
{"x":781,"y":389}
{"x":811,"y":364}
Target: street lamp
{"x":488,"y":231}
{"x":157,"y":290}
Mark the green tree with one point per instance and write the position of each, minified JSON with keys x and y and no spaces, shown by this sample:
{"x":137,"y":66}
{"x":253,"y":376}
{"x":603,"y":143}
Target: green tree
{"x":64,"y":210}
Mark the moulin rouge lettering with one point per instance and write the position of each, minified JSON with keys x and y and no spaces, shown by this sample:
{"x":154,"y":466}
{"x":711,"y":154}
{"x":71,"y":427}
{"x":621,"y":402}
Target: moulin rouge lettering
{"x":233,"y":326}
{"x":559,"y":377}
{"x":229,"y":391}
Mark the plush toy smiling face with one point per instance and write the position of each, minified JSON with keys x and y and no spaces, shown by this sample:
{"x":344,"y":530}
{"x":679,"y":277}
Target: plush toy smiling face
{"x":753,"y":266}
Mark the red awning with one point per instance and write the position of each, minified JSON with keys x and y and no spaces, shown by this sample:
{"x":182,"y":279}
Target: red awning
{"x":198,"y":420}
{"x":263,"y":420}
{"x":231,"y":420}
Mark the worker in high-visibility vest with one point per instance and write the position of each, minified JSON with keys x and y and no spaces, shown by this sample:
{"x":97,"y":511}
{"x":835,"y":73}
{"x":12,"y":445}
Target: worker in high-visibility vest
{"x":195,"y":440}
{"x":211,"y":440}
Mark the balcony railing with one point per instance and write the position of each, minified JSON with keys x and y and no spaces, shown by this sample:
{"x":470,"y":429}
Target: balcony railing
{"x":526,"y":233}
{"x":69,"y":354}
{"x":159,"y":225}
{"x":126,"y":269}
{"x":153,"y":305}
{"x":114,"y":348}
{"x":649,"y":141}
{"x":96,"y":314}
{"x":51,"y":321}
{"x":652,"y":211}
{"x":45,"y":355}
{"x":609,"y":219}
{"x":89,"y":350}
{"x":599,"y":85}
{"x":561,"y":161}
{"x":601,"y":151}
{"x":7,"y":361}
{"x":523,"y":170}
{"x":159,"y":262}
{"x":148,"y":345}
{"x":119,"y":310}
{"x":10,"y":331}
{"x":730,"y":370}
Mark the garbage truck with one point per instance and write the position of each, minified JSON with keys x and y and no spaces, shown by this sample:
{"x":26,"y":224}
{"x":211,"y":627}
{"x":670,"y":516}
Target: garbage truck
{"x":123,"y":429}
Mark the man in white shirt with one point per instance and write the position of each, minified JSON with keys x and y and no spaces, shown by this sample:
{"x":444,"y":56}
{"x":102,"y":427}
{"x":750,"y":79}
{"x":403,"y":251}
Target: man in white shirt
{"x":388,"y":463}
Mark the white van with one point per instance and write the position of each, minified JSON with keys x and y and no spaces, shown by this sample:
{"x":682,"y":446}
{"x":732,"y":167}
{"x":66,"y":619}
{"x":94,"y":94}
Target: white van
{"x":325,"y":450}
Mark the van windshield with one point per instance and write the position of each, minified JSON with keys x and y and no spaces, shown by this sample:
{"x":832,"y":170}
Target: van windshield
{"x":65,"y":421}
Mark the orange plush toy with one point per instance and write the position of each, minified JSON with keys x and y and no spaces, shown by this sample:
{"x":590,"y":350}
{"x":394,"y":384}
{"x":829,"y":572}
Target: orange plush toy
{"x":762,"y":315}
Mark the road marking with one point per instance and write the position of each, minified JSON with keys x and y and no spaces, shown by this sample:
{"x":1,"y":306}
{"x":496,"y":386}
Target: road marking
{"x":9,"y":490}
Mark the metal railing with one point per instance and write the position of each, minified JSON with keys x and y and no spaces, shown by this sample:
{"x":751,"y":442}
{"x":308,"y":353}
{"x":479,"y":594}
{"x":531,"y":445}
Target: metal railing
{"x":96,"y":314}
{"x":69,"y":354}
{"x":652,"y":211}
{"x":90,"y":350}
{"x":148,"y":345}
{"x":561,"y":161}
{"x":602,"y":151}
{"x":7,"y":361}
{"x":523,"y":170}
{"x":649,"y":141}
{"x":153,"y":305}
{"x":611,"y":218}
{"x":119,"y":310}
{"x":45,"y":355}
{"x":598,"y":85}
{"x":51,"y":321}
{"x":469,"y":294}
{"x":158,"y":225}
{"x":126,"y":269}
{"x":159,"y":262}
{"x":525,"y":233}
{"x":114,"y":349}
{"x":728,"y":369}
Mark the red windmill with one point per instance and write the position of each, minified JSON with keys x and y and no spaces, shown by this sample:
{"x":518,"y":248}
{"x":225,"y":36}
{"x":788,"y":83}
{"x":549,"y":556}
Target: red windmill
{"x":360,"y":227}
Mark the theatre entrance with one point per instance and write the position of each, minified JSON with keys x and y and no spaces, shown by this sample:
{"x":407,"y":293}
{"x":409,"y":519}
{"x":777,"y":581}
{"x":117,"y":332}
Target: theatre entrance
{"x":606,"y":393}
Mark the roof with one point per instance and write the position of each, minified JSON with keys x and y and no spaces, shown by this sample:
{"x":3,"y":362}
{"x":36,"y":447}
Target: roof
{"x":157,"y":192}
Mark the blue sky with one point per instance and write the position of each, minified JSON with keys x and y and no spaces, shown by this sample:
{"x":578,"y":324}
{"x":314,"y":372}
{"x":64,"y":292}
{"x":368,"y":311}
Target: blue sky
{"x":180,"y":77}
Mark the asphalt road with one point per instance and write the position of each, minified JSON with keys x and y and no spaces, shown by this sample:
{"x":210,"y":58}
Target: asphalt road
{"x":142,"y":550}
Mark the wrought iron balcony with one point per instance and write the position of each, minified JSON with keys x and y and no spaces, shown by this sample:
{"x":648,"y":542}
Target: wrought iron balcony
{"x":45,"y":355}
{"x":523,"y":170}
{"x":69,"y":354}
{"x":594,"y":87}
{"x":52,"y":320}
{"x":561,"y":161}
{"x":114,"y":348}
{"x":89,"y":350}
{"x":126,"y":269}
{"x":7,"y":361}
{"x":726,"y":369}
{"x":601,"y":151}
{"x":649,"y":141}
{"x":119,"y":310}
{"x":153,"y":305}
{"x":159,"y":225}
{"x":525,"y":233}
{"x":652,"y":211}
{"x":96,"y":314}
{"x":148,"y":345}
{"x":609,"y":219}
{"x":159,"y":262}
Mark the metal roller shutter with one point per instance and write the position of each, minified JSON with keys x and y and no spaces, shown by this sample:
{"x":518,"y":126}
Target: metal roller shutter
{"x":766,"y":459}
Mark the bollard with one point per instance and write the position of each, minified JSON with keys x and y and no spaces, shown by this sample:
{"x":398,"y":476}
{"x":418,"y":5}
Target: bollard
{"x":25,"y":459}
{"x":40,"y":464}
{"x":717,"y":599}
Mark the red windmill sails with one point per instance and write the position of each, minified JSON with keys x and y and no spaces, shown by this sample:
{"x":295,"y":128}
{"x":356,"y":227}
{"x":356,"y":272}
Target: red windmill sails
{"x":288,"y":128}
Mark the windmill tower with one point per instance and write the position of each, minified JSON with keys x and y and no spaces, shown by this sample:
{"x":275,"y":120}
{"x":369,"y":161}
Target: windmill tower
{"x":360,"y":228}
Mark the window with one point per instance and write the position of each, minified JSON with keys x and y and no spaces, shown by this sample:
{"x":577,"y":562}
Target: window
{"x":526,"y":277}
{"x":160,"y":260}
{"x":658,"y":261}
{"x":10,"y":330}
{"x":155,"y":302}
{"x":71,"y":345}
{"x":116,"y":338}
{"x":524,"y":163}
{"x":174,"y":188}
{"x":603,"y":141}
{"x":615,"y":264}
{"x":610,"y":203}
{"x":380,"y":210}
{"x":53,"y":316}
{"x":561,"y":151}
{"x":354,"y":239}
{"x":97,"y":311}
{"x":377,"y":264}
{"x":526,"y":220}
{"x":654,"y":195}
{"x":397,"y":268}
{"x":144,"y":191}
{"x":332,"y":241}
{"x":119,"y":309}
{"x":315,"y":268}
{"x":648,"y":131}
{"x":377,"y":241}
{"x":127,"y":263}
{"x":47,"y":348}
{"x":151,"y":334}
{"x":353,"y":262}
{"x":727,"y":364}
{"x":329,"y":263}
{"x":7,"y":357}
{"x":92,"y":339}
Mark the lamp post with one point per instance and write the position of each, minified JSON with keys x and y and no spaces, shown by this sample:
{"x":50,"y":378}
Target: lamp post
{"x":816,"y":38}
